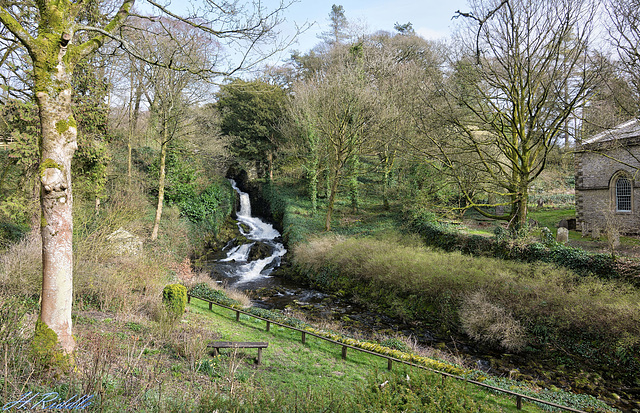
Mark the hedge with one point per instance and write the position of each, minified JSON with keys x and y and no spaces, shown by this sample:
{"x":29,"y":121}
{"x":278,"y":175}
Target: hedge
{"x":448,"y":238}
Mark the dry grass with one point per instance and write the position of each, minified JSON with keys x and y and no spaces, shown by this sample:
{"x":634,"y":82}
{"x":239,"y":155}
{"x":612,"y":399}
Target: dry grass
{"x":122,"y":284}
{"x":507,"y":296}
{"x":314,"y":252}
{"x":21,"y":267}
{"x":490,"y":323}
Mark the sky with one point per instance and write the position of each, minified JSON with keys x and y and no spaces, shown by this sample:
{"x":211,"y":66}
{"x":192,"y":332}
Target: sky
{"x":431,"y":19}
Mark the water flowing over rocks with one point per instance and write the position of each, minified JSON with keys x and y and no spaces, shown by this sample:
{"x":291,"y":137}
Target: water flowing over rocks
{"x":250,"y":258}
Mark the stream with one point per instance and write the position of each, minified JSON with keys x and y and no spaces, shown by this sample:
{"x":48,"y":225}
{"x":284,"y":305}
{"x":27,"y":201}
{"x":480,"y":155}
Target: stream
{"x":249,"y":266}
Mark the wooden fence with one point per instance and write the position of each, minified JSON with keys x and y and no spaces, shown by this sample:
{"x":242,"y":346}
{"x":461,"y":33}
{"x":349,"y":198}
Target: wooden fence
{"x":5,"y":143}
{"x":390,"y":360}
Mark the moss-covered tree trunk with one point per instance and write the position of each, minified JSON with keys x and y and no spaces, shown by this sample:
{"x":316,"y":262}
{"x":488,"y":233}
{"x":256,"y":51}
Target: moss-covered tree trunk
{"x":54,"y":55}
{"x":354,"y":166}
{"x":332,"y":198}
{"x":58,"y":144}
{"x":312,"y":180}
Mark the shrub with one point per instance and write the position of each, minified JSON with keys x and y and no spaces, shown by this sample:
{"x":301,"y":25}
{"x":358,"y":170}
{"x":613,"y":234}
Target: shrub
{"x":210,"y":208}
{"x":490,"y":323}
{"x":395,"y":344}
{"x":415,"y":391}
{"x":174,"y":298}
{"x":511,"y":245}
{"x":10,"y":232}
{"x":276,"y":201}
{"x":205,"y":291}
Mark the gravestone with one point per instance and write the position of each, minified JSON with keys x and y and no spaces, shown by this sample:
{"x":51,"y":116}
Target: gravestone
{"x":563,"y":224}
{"x":563,"y":235}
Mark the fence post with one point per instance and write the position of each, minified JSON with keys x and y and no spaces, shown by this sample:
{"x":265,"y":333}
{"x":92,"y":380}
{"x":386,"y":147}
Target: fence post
{"x":518,"y":402}
{"x":389,"y":363}
{"x":268,"y":325}
{"x":237,"y":315}
{"x":344,"y":352}
{"x":304,"y":337}
{"x":188,"y":298}
{"x":210,"y":305}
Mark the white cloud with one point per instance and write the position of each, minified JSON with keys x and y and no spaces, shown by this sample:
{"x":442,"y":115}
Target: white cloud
{"x":430,"y":34}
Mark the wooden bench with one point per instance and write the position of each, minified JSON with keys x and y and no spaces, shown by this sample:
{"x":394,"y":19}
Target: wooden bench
{"x":216,"y":345}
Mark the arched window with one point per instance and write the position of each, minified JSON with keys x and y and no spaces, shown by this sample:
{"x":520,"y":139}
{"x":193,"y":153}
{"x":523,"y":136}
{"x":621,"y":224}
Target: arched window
{"x":623,"y":194}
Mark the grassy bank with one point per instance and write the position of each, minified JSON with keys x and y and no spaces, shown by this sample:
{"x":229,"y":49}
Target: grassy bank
{"x":131,"y":362}
{"x":512,"y":306}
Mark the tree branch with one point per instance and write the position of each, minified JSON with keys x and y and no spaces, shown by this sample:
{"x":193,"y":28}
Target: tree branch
{"x":93,"y":44}
{"x":481,"y":22}
{"x":17,"y":30}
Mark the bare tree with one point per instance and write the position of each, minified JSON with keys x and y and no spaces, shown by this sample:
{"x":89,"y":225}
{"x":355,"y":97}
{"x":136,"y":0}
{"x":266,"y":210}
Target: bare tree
{"x":624,"y":30}
{"x":525,"y":69}
{"x":341,"y":113}
{"x":172,"y":93}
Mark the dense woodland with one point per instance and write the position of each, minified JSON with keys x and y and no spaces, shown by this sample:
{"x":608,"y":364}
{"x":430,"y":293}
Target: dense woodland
{"x":355,"y":143}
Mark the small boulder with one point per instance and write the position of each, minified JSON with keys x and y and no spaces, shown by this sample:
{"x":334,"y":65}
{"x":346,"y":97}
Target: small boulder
{"x":125,"y":243}
{"x":259,"y":251}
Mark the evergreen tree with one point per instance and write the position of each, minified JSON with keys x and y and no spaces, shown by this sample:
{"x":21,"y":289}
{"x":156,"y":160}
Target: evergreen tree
{"x":338,"y":25}
{"x":250,"y":114}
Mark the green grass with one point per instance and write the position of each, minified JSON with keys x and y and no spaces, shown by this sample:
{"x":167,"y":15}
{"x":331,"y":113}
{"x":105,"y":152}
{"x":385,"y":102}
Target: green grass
{"x":300,"y":221}
{"x":551,"y":217}
{"x":316,"y":369}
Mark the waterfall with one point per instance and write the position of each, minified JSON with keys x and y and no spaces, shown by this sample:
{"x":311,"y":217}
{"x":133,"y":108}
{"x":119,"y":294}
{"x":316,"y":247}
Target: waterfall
{"x":237,"y":264}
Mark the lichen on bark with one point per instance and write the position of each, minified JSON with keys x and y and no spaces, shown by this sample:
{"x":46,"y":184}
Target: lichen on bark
{"x":62,"y":126}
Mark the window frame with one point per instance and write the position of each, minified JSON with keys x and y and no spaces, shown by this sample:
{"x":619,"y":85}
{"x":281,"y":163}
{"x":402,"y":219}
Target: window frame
{"x":616,"y":196}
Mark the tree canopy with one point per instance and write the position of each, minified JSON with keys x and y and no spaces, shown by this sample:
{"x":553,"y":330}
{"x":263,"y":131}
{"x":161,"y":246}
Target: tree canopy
{"x":251,"y":114}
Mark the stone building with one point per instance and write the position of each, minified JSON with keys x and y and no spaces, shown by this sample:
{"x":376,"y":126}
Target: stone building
{"x":607,"y":180}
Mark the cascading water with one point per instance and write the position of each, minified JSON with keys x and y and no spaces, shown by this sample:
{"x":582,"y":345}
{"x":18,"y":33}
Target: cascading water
{"x":238,"y":267}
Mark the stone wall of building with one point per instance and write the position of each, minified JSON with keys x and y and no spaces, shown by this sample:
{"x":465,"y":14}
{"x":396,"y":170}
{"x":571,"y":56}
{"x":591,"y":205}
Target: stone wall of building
{"x":595,"y":169}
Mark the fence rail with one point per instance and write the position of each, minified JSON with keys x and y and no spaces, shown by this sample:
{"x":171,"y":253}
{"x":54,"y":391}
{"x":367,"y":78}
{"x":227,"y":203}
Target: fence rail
{"x":519,"y":397}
